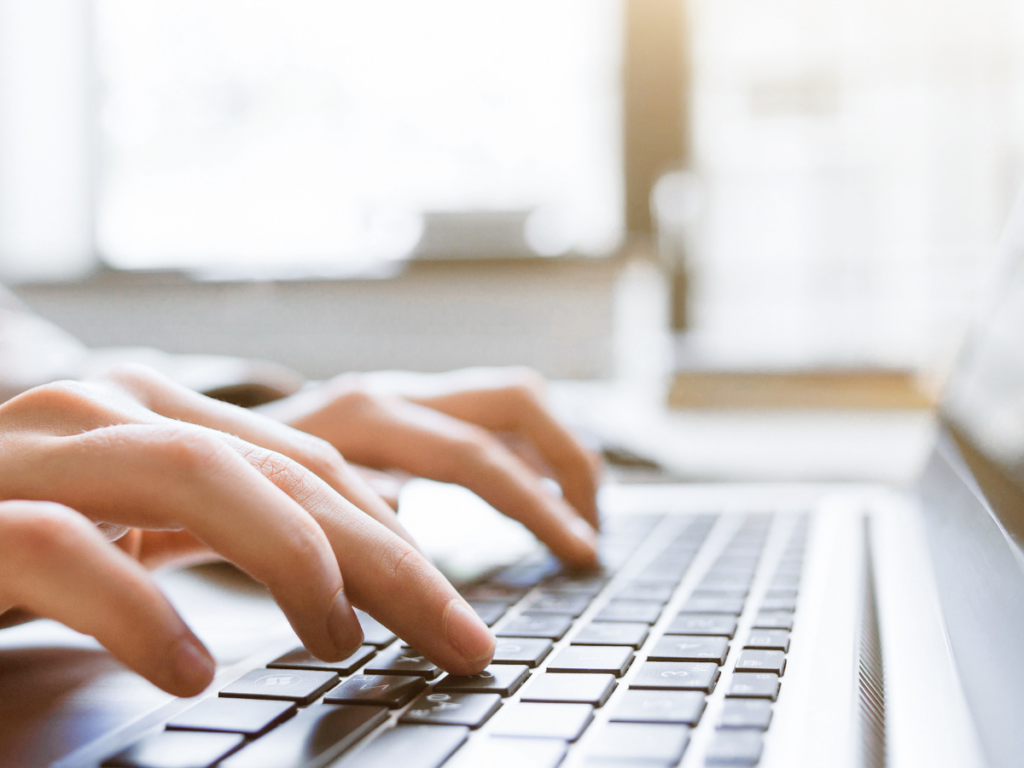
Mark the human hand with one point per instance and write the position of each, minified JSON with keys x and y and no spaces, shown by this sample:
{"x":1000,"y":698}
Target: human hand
{"x":280,"y":504}
{"x":485,"y":429}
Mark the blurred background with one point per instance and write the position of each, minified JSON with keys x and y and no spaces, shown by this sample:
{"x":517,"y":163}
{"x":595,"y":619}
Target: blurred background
{"x":596,"y":188}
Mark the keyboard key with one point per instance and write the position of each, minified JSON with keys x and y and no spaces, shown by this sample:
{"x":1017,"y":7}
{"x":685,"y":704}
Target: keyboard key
{"x":489,"y":613}
{"x":549,"y":721}
{"x":769,"y":639}
{"x":663,"y":573}
{"x":638,"y":706}
{"x":678,"y":676}
{"x":493,"y":593}
{"x":402,"y":661}
{"x":314,"y":736}
{"x":628,"y":633}
{"x":746,"y":713}
{"x":690,"y":648}
{"x":537,"y":625}
{"x":374,"y":633}
{"x":702,"y":624}
{"x":300,"y":658}
{"x":248,"y":716}
{"x":570,"y":689}
{"x":498,"y":752}
{"x":635,"y":590}
{"x":781,"y":602}
{"x":177,"y":749}
{"x":578,"y":584}
{"x":503,"y":679}
{"x":724,"y":583}
{"x":785,"y":581}
{"x":409,"y":746}
{"x":659,"y":744}
{"x":469,"y":709}
{"x":561,"y":605}
{"x":613,"y":659}
{"x":762,"y":661}
{"x":630,"y":610}
{"x":521,"y":650}
{"x":754,"y":685}
{"x":385,"y":690}
{"x":735,"y":747}
{"x":299,"y":685}
{"x":702,"y":604}
{"x":774,"y":620}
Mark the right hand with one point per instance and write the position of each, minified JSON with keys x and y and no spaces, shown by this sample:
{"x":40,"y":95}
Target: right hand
{"x":134,"y":451}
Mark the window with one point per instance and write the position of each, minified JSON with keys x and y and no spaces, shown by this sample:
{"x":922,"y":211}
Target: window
{"x":322,"y":136}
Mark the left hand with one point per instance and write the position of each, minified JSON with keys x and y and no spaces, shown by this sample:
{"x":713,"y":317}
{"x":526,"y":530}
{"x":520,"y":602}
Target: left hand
{"x":486,"y":429}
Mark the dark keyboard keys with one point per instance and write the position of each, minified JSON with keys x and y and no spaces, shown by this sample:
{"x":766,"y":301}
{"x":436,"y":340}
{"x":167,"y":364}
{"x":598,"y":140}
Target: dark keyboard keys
{"x":177,"y":749}
{"x":630,"y":610}
{"x":781,"y":602}
{"x":410,"y":746}
{"x":746,"y":713}
{"x":612,"y":659}
{"x":489,"y":613}
{"x":735,"y":747}
{"x":374,"y":633}
{"x":570,"y":689}
{"x":469,"y":709}
{"x":561,"y":605}
{"x":769,"y":639}
{"x":521,"y":650}
{"x":762,"y":661}
{"x":635,"y":590}
{"x":493,"y":593}
{"x":300,"y":658}
{"x":628,"y":633}
{"x":702,"y":624}
{"x":248,"y":716}
{"x":709,"y":604}
{"x":678,"y":676}
{"x":754,"y":685}
{"x":638,"y":706}
{"x":774,"y":620}
{"x":385,"y":690}
{"x":537,"y":625}
{"x":547,"y":721}
{"x":299,"y":685}
{"x":314,"y":736}
{"x":578,"y":584}
{"x":502,"y":679}
{"x":659,"y":744}
{"x":690,"y":648}
{"x":402,"y":661}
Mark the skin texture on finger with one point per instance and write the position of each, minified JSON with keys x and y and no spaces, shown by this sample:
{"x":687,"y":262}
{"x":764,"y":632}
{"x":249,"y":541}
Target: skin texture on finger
{"x":171,"y":400}
{"x":391,"y":432}
{"x":181,"y":476}
{"x":54,"y":563}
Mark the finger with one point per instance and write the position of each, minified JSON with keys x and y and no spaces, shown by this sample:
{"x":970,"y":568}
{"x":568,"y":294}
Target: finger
{"x":430,"y":444}
{"x":171,"y":400}
{"x":518,"y":408}
{"x":397,"y":585}
{"x":183,"y":476}
{"x":55,"y":563}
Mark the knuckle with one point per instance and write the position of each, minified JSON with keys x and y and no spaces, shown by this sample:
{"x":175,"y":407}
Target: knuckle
{"x":56,"y":397}
{"x":287,"y":474}
{"x":357,"y":400}
{"x":186,"y":449}
{"x":39,"y":530}
{"x":132,"y":376}
{"x":320,"y":457}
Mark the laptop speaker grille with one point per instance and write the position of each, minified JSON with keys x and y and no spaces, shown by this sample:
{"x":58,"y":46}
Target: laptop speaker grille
{"x":871,"y":672}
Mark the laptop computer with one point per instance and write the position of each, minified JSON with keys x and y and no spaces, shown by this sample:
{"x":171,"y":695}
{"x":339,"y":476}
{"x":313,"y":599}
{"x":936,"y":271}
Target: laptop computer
{"x":739,"y":625}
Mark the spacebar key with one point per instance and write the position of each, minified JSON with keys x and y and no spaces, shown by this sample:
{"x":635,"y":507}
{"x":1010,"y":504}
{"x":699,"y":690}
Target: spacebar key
{"x":313,"y":737}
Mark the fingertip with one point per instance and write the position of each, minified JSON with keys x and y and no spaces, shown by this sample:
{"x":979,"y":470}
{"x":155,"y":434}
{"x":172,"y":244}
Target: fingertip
{"x":469,"y":636}
{"x":193,"y":668}
{"x":343,"y":627}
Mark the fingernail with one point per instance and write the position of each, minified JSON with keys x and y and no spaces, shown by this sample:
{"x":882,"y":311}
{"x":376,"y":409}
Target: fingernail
{"x":193,"y":666}
{"x":584,"y":532}
{"x":343,"y":626}
{"x":467,"y":634}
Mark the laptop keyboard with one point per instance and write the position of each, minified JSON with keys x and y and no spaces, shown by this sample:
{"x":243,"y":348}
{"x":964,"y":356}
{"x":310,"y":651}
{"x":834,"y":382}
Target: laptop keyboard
{"x":589,"y":669}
